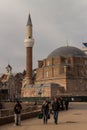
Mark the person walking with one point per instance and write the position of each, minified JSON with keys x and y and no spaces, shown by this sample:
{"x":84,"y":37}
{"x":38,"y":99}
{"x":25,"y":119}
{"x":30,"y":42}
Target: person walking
{"x":1,"y":105}
{"x":55,"y":109}
{"x":66,"y":104}
{"x":45,"y":111}
{"x":17,"y":111}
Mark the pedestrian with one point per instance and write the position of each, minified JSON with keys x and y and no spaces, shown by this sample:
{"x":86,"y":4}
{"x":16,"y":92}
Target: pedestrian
{"x":66,"y":104}
{"x":35,"y":103}
{"x":17,"y":111}
{"x":1,"y":105}
{"x":45,"y":111}
{"x":61,"y":103}
{"x":55,"y":109}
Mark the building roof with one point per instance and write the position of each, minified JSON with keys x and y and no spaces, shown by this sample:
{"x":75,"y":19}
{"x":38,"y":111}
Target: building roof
{"x":4,"y":78}
{"x":67,"y":51}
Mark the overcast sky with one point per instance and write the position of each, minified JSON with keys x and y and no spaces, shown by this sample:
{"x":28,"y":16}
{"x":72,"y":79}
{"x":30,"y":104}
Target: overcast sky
{"x":54,"y":22}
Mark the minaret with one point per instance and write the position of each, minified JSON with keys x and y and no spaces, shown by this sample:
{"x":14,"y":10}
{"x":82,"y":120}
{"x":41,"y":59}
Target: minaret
{"x":29,"y":42}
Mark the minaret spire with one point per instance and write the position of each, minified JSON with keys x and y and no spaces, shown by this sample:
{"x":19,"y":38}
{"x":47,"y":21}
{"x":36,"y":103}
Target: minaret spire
{"x":29,"y":22}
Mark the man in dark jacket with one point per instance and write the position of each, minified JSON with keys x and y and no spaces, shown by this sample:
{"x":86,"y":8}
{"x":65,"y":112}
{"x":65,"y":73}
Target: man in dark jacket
{"x":17,"y":111}
{"x":55,"y":109}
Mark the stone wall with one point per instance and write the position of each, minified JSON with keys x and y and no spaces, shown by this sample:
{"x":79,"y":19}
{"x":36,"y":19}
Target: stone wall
{"x":77,"y":86}
{"x":9,"y":119}
{"x":29,"y":92}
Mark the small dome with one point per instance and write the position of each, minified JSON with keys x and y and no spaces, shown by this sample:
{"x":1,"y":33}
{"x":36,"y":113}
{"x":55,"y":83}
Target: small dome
{"x":67,"y":51}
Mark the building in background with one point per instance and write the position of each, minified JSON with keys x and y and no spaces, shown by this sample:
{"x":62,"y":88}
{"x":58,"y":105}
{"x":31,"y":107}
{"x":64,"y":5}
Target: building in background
{"x":10,"y":85}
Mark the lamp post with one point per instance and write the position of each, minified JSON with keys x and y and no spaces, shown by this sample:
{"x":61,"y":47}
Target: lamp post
{"x":39,"y":91}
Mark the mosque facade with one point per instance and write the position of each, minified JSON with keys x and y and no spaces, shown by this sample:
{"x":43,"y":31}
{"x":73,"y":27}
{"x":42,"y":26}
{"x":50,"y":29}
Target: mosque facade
{"x":63,"y":72}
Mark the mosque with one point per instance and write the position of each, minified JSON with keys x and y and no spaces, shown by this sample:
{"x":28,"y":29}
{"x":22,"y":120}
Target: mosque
{"x":62,"y":72}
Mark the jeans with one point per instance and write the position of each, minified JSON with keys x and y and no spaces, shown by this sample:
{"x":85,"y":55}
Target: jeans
{"x":45,"y":117}
{"x":56,"y":117}
{"x":17,"y":119}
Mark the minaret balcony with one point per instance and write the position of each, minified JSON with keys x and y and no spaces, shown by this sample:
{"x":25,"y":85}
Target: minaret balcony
{"x":29,"y":42}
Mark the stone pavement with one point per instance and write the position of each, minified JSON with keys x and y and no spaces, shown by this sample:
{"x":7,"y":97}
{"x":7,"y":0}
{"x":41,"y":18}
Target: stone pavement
{"x":73,"y":119}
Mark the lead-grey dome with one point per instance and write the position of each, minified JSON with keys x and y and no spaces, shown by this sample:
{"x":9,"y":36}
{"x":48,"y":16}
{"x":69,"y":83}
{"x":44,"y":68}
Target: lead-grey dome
{"x":66,"y":51}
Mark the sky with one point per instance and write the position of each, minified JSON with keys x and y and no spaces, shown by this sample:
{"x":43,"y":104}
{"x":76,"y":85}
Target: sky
{"x":54,"y":23}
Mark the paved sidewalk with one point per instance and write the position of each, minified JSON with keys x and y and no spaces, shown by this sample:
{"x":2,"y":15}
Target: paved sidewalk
{"x":73,"y":119}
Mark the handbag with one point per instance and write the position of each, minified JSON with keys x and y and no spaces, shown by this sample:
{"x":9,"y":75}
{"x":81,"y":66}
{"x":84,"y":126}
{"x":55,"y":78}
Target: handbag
{"x":48,"y":115}
{"x":40,"y":115}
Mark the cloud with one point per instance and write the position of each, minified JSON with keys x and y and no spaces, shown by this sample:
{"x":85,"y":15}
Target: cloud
{"x":54,"y":22}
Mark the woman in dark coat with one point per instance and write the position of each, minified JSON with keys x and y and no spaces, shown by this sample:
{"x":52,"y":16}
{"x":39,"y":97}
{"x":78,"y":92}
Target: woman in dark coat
{"x":45,"y":111}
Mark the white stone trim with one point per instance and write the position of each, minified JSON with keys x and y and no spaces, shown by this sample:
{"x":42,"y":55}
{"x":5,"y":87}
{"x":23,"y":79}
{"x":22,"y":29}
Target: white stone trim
{"x":29,"y":42}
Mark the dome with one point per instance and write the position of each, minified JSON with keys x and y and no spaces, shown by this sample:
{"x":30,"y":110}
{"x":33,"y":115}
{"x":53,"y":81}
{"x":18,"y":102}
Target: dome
{"x":67,"y":51}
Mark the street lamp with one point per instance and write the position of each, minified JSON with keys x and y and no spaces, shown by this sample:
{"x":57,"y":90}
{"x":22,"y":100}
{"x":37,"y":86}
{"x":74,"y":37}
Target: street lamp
{"x":39,"y":91}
